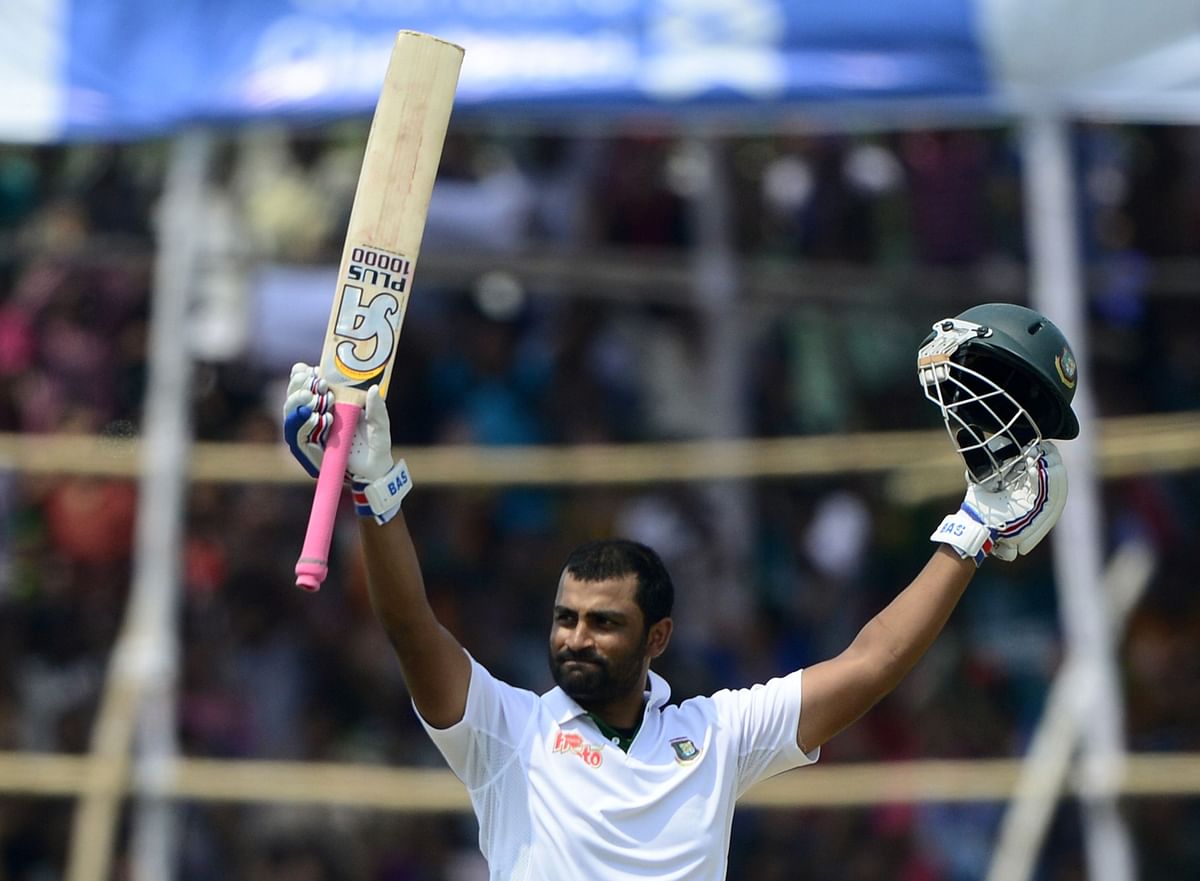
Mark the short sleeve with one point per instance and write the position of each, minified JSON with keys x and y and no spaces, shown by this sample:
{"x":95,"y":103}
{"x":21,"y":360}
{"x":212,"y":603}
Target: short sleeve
{"x":763,"y":720}
{"x":497,"y":715}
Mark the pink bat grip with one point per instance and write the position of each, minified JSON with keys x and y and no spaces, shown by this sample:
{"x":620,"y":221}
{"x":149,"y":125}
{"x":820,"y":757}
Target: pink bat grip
{"x":313,"y":565}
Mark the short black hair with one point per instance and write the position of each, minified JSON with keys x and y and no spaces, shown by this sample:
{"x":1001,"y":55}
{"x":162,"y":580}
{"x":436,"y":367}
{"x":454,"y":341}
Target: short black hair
{"x":618,"y":557}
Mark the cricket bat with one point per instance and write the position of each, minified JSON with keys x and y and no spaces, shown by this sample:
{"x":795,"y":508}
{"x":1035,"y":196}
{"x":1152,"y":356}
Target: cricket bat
{"x":404,"y":148}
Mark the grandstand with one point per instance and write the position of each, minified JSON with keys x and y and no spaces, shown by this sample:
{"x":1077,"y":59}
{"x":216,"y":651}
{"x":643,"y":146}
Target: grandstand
{"x":675,"y":301}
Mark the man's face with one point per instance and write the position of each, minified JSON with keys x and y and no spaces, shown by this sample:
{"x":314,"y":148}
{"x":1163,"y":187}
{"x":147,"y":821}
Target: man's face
{"x":598,"y":640}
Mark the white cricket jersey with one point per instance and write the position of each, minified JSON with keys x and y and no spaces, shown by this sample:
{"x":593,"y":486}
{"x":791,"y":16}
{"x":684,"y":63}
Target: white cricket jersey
{"x":557,"y":802}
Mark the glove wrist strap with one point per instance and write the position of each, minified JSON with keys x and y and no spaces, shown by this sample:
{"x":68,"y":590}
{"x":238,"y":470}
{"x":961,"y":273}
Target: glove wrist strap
{"x":381,"y":498}
{"x":966,"y":533}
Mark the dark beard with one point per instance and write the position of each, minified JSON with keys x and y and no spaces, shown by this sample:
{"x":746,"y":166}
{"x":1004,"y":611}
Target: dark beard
{"x":600,"y":682}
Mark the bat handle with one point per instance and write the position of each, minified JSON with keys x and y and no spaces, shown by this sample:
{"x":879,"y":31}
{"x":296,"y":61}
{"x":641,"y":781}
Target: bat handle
{"x":313,"y":565}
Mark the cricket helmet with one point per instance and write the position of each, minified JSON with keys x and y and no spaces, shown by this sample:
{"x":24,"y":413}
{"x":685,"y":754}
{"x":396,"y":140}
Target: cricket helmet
{"x":1003,"y":377}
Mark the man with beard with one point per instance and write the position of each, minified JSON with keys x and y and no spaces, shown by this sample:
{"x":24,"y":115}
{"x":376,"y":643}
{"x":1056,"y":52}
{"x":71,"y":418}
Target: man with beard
{"x":600,"y":777}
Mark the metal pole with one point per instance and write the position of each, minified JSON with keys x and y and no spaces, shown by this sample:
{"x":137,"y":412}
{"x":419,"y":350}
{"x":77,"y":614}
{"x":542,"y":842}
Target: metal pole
{"x":1058,"y":293}
{"x":715,"y":290}
{"x":161,"y":509}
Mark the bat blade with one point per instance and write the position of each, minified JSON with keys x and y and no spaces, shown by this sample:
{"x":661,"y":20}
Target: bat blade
{"x":383,"y":239}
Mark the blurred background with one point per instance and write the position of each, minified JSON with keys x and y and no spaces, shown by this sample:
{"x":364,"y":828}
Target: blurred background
{"x":678,"y":262}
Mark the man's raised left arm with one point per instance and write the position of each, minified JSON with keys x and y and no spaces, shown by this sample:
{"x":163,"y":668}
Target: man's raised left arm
{"x":1002,"y":524}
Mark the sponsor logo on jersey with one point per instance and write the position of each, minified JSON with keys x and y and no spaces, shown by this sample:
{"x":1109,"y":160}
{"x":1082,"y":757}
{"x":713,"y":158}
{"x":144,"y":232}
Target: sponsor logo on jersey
{"x":685,"y":750}
{"x":573,"y":742}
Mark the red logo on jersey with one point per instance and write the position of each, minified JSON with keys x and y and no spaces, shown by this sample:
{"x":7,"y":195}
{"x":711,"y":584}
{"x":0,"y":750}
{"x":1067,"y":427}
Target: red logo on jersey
{"x":571,"y":742}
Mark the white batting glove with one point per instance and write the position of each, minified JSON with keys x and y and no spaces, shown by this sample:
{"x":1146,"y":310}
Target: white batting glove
{"x":1009,"y":522}
{"x":307,"y":417}
{"x":378,"y":483}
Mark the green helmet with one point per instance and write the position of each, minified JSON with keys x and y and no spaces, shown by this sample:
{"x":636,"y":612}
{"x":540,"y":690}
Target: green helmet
{"x":1028,"y":343}
{"x":1003,"y":377}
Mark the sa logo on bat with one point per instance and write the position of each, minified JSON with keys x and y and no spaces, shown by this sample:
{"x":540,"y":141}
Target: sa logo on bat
{"x":369,"y":314}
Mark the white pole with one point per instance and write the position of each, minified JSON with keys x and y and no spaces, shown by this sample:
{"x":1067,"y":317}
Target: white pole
{"x":715,"y":292}
{"x":161,"y":506}
{"x":138,"y":702}
{"x":1047,"y":763}
{"x":1058,"y":293}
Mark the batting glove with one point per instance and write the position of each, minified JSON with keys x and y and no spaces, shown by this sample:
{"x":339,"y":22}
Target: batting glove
{"x":1011,"y":521}
{"x":378,"y":484}
{"x":307,"y":417}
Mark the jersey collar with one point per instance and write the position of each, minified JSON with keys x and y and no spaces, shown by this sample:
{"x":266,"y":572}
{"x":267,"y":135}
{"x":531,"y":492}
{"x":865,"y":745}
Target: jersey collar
{"x":564,"y":708}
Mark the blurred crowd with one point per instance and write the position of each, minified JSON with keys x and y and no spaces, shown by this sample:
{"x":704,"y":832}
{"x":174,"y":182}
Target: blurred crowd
{"x":771,"y":575}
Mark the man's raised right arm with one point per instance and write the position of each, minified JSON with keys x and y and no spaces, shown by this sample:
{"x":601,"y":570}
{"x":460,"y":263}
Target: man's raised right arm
{"x":434,"y":664}
{"x":435,"y":667}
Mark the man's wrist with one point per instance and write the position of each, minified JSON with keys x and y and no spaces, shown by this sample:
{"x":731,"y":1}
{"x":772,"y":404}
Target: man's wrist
{"x":381,"y":498}
{"x":965,"y":532}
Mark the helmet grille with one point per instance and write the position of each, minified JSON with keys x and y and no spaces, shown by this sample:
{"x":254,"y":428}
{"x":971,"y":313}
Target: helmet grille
{"x":1025,"y":387}
{"x":990,"y":427}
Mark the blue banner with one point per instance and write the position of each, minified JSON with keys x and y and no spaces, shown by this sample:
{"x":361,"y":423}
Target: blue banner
{"x":139,"y":67}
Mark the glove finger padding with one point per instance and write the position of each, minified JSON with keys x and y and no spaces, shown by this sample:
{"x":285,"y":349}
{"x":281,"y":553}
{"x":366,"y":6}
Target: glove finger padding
{"x":304,"y":376}
{"x":1026,"y":510}
{"x":306,"y":424}
{"x":307,"y":416}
